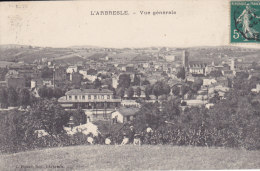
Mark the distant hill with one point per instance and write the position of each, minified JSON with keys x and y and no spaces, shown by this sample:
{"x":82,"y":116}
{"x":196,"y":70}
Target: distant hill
{"x":28,"y":54}
{"x":13,"y":46}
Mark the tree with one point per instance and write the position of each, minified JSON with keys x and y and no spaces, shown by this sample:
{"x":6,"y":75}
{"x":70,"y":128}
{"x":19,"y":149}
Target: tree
{"x":46,"y":92}
{"x":57,"y":92}
{"x":120,"y":92}
{"x":148,"y":91}
{"x":124,"y":81}
{"x":43,"y":92}
{"x":24,"y":97}
{"x":254,"y":65}
{"x":170,"y":109}
{"x":145,"y":82}
{"x":216,"y":73}
{"x":242,"y":75}
{"x":181,"y":73}
{"x":12,"y":96}
{"x":215,"y":98}
{"x":12,"y":132}
{"x":184,"y":90}
{"x":97,"y":83}
{"x":166,"y":89}
{"x":49,"y":92}
{"x":130,"y":92}
{"x":138,"y":91}
{"x":3,"y":97}
{"x":176,"y":90}
{"x":196,"y":85}
{"x":48,"y":115}
{"x":149,"y":114}
{"x":136,"y":80}
{"x":79,"y":117}
{"x":157,"y":89}
{"x":47,"y":72}
{"x":91,"y":72}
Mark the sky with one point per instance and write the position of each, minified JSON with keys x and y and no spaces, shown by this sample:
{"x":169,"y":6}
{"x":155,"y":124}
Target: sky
{"x":69,"y":23}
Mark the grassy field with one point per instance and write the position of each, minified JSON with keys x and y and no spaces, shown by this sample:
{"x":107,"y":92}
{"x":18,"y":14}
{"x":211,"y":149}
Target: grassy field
{"x":131,"y":158}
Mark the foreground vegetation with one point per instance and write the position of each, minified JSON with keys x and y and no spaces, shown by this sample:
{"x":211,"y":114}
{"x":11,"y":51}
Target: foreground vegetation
{"x":132,"y":158}
{"x":232,"y":122}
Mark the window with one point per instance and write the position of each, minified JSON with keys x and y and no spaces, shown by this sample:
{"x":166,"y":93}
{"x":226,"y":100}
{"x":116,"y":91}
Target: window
{"x":76,"y":97}
{"x":69,"y":97}
{"x":95,"y":96}
{"x":83,"y":97}
{"x":89,"y":97}
{"x":108,"y":96}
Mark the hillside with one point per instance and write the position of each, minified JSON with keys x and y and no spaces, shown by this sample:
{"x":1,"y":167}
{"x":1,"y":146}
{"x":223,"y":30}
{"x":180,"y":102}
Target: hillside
{"x":132,"y":158}
{"x":28,"y":54}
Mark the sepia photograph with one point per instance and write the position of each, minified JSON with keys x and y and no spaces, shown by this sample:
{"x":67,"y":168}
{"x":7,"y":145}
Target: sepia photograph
{"x":130,"y":85}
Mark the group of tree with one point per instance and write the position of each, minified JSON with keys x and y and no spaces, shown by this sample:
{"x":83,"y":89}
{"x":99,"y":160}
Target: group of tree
{"x":157,"y":89}
{"x":160,"y":88}
{"x":231,"y":122}
{"x":48,"y":92}
{"x":18,"y":128}
{"x":12,"y":97}
{"x":243,"y":83}
{"x":46,"y":72}
{"x":215,"y":73}
{"x":181,"y":73}
{"x":78,"y":116}
{"x":124,"y":81}
{"x":120,"y":92}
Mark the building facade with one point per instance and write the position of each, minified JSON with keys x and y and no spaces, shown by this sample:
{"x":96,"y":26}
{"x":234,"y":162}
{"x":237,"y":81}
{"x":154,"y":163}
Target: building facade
{"x":95,"y":102}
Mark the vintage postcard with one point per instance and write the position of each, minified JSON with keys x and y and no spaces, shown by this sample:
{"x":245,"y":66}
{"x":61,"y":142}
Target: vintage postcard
{"x":130,"y":85}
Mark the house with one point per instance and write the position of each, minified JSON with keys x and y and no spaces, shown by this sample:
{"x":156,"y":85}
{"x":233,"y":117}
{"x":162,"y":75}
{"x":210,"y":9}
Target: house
{"x":47,"y":82}
{"x":170,"y":58}
{"x":3,"y":84}
{"x":257,"y":89}
{"x":36,"y":83}
{"x":72,"y":69}
{"x":115,"y":80}
{"x":209,"y":69}
{"x":124,"y":114}
{"x":197,"y":68}
{"x":220,"y":89}
{"x":195,"y":102}
{"x":228,"y":73}
{"x":130,"y":103}
{"x":207,"y":82}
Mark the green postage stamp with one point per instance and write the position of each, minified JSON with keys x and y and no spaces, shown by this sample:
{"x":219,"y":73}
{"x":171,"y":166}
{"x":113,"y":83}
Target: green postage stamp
{"x":245,"y":21}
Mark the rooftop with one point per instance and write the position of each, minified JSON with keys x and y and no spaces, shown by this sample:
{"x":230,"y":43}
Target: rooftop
{"x":128,"y":111}
{"x":88,"y":91}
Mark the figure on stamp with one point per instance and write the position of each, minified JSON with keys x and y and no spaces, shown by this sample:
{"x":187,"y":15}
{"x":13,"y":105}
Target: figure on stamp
{"x":246,"y":20}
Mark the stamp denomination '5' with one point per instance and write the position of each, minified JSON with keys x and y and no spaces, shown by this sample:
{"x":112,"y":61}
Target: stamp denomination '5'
{"x":245,"y":22}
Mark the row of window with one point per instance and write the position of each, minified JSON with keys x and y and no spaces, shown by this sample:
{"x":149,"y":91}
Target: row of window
{"x":89,"y":97}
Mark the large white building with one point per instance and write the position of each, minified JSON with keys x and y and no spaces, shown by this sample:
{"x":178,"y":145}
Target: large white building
{"x":97,"y":103}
